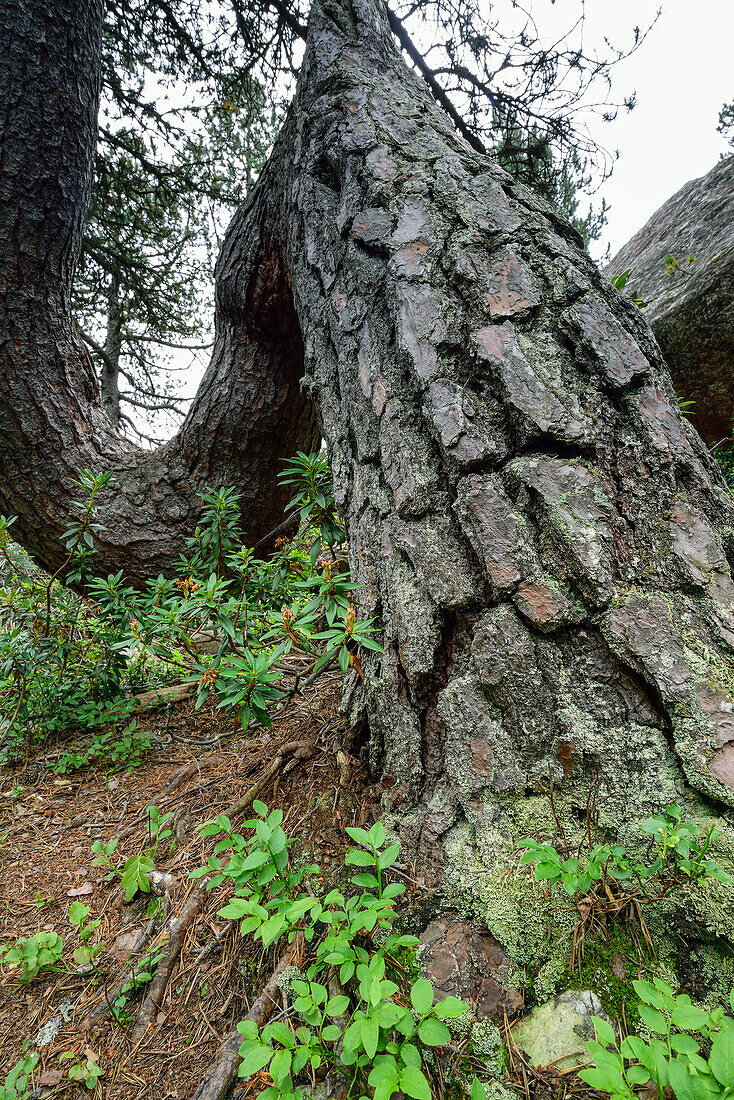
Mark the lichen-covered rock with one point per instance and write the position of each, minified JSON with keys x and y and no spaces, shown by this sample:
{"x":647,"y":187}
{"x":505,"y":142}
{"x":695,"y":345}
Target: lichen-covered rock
{"x":463,"y":960}
{"x":557,"y":1031}
{"x":690,"y":305}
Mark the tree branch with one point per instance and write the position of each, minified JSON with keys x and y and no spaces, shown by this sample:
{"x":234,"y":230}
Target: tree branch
{"x":129,"y":338}
{"x":288,"y":18}
{"x":98,"y":350}
{"x":439,"y":94}
{"x":165,"y":405}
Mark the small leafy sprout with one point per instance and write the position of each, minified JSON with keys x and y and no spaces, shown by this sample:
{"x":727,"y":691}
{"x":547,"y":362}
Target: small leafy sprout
{"x":691,"y":1050}
{"x":79,"y":918}
{"x":680,"y":849}
{"x":158,"y":827}
{"x":137,"y":868}
{"x":135,"y":875}
{"x":87,"y":1072}
{"x":370,"y":1027}
{"x":32,"y":955}
{"x":15,"y":1086}
{"x":103,"y":852}
{"x":620,"y":281}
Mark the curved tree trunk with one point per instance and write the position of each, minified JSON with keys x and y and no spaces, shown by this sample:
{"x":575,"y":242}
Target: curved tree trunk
{"x":249,"y":412}
{"x":545,"y":542}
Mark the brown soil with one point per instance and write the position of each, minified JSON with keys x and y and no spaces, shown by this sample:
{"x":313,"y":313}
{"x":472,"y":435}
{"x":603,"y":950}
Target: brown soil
{"x":48,"y":824}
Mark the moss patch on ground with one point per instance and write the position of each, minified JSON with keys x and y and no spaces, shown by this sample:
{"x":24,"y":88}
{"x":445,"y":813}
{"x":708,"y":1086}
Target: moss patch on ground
{"x":605,"y":968}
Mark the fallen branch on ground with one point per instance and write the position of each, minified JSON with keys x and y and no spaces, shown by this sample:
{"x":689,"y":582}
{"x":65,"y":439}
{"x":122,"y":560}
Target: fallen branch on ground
{"x":163,"y":696}
{"x":302,"y":750}
{"x":179,"y":928}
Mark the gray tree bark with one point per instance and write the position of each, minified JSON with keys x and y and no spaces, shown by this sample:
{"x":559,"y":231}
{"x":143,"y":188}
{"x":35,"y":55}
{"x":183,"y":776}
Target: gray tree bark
{"x":250,"y":411}
{"x":545,"y":543}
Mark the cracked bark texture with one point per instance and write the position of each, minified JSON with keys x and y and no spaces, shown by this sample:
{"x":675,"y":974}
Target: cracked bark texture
{"x":546,"y":544}
{"x":249,"y":412}
{"x":691,"y":309}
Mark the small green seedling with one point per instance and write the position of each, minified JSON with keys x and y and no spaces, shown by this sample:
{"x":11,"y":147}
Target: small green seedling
{"x":32,"y":955}
{"x":17,"y":1080}
{"x":86,"y":1072}
{"x":78,"y":916}
{"x":135,"y":875}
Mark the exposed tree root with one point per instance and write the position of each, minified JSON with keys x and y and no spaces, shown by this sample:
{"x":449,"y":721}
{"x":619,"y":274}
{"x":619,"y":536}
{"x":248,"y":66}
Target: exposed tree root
{"x":179,"y":928}
{"x":222,"y":1074}
{"x":302,"y":750}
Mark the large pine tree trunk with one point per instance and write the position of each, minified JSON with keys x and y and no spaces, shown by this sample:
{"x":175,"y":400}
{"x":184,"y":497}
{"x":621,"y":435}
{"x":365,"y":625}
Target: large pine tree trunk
{"x":250,"y":411}
{"x":545,"y":542}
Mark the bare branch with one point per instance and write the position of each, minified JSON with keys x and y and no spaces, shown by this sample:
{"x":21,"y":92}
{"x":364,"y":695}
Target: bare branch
{"x":437,"y":91}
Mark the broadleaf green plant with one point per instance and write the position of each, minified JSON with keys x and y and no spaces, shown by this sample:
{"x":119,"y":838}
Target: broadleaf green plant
{"x":66,"y":660}
{"x":691,"y":1050}
{"x":15,"y":1086}
{"x":681,"y":855}
{"x":33,"y":954}
{"x":352,"y":1011}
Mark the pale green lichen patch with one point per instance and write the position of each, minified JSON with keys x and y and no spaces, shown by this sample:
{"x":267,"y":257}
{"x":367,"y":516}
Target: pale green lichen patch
{"x":486,"y":1043}
{"x":534,"y":924}
{"x":285,"y":982}
{"x":712,"y":973}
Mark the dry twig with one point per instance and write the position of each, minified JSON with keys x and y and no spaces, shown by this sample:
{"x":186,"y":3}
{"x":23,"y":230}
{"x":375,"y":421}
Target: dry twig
{"x":165,"y":966}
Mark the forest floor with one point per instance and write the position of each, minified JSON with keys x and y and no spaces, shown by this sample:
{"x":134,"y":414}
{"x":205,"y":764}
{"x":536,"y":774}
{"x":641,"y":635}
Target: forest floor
{"x":197,"y":768}
{"x":170,"y":1038}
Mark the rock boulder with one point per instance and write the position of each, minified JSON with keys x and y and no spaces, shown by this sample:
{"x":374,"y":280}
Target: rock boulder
{"x":556,"y":1033}
{"x":691,"y":305}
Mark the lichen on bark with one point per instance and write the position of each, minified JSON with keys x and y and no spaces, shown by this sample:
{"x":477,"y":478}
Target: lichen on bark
{"x":545,"y":542}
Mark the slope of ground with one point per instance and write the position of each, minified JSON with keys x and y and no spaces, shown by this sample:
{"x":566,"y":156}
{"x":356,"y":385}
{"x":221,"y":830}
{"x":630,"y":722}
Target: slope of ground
{"x":197,"y":769}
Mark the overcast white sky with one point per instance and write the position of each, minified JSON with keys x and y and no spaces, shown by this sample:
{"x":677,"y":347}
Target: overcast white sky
{"x":683,"y":74}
